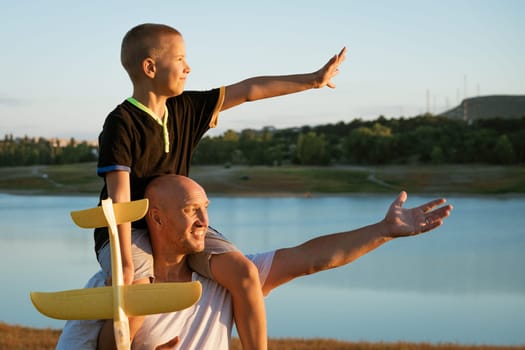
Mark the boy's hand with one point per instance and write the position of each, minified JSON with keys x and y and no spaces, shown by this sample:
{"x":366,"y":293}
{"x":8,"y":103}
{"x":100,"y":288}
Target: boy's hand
{"x":128,"y":272}
{"x":169,"y":345}
{"x":329,"y":70}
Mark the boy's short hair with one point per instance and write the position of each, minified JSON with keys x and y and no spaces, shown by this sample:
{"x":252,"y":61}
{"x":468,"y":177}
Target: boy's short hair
{"x":141,"y":42}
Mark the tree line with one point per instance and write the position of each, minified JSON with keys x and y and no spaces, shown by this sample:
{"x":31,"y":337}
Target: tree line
{"x":425,"y":139}
{"x":41,"y":151}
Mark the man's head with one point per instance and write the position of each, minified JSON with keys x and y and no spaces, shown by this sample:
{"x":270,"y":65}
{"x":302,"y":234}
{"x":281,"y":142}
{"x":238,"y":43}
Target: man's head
{"x":177,"y":217}
{"x":155,"y":53}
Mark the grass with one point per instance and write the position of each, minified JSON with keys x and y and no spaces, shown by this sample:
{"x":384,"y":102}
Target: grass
{"x":17,"y":337}
{"x":59,"y":179}
{"x":289,"y":180}
{"x":472,"y":179}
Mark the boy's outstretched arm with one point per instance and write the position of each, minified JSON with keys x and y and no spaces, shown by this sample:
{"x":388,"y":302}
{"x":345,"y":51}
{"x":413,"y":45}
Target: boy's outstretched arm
{"x":258,"y":88}
{"x":339,"y":249}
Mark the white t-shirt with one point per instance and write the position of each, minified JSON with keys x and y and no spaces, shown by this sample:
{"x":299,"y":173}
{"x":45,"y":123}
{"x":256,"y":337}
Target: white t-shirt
{"x":205,"y":325}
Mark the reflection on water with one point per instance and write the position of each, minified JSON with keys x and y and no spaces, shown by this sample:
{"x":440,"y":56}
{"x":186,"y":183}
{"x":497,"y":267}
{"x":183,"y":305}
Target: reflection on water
{"x":461,"y":283}
{"x":384,"y":315}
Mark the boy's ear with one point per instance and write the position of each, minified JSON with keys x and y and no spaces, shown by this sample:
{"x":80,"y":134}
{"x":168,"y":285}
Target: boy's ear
{"x":149,"y":68}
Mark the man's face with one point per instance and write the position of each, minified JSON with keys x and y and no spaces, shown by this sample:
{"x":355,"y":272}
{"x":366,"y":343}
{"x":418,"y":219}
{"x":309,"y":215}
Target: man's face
{"x":188,"y":221}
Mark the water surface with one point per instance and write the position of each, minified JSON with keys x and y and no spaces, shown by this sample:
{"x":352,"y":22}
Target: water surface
{"x":462,"y":283}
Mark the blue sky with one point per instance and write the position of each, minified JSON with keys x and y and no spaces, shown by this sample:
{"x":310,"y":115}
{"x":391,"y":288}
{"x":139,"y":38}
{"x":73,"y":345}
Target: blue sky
{"x":61,"y":75}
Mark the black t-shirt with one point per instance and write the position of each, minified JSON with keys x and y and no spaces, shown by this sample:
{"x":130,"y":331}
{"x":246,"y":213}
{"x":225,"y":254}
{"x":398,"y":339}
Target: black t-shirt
{"x":132,"y":140}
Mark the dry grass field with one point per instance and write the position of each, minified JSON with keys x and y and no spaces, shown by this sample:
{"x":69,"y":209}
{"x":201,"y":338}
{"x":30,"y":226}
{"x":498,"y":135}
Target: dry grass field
{"x":22,"y":338}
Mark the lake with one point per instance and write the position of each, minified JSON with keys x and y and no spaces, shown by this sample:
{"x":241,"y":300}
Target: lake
{"x":462,"y":283}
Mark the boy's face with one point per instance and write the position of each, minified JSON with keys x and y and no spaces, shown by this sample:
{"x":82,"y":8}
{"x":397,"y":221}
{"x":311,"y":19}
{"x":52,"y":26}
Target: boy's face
{"x":171,"y":67}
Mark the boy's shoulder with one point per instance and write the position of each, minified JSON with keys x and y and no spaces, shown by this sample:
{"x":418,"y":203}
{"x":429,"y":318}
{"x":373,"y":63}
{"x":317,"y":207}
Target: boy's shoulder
{"x":123,"y":113}
{"x":124,"y":109}
{"x":123,"y":116}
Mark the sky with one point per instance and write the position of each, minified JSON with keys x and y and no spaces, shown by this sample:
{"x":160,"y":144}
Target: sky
{"x":61,"y":73}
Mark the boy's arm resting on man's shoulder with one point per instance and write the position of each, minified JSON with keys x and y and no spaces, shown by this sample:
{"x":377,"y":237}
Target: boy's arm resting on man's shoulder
{"x":118,"y":185}
{"x":257,"y":88}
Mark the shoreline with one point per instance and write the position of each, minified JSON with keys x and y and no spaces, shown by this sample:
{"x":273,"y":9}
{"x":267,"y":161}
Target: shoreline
{"x":284,"y":194}
{"x":289,"y":181}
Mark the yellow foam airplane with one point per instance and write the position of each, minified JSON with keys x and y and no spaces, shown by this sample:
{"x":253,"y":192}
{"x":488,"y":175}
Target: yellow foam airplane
{"x":118,"y":301}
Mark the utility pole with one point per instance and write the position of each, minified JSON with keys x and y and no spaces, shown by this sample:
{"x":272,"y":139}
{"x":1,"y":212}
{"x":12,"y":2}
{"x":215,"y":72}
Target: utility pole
{"x":428,"y":101}
{"x":465,"y":86}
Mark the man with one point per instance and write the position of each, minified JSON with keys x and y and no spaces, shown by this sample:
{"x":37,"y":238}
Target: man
{"x":177,"y":220}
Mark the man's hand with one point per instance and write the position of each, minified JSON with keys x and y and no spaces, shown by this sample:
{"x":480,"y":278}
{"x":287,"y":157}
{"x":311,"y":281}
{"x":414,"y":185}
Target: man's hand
{"x":169,"y":345}
{"x":329,"y":70}
{"x":407,"y":222}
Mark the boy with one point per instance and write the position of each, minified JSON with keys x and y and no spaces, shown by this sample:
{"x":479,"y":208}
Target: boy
{"x":155,"y":132}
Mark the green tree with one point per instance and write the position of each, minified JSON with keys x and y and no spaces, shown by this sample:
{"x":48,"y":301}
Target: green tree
{"x":311,"y":149}
{"x":517,"y":139}
{"x":436,"y":156}
{"x":503,"y":151}
{"x":369,"y":145}
{"x":478,"y":145}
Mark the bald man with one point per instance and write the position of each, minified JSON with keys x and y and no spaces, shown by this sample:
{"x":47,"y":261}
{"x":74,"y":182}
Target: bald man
{"x":177,"y":221}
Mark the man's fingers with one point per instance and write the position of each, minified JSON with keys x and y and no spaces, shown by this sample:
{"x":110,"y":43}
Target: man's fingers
{"x":401,"y":198}
{"x":425,"y":208}
{"x":442,"y":212}
{"x":435,"y":218}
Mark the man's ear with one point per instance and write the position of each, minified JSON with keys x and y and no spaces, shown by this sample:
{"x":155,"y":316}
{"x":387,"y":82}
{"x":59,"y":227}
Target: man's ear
{"x":154,"y":216}
{"x":149,"y":68}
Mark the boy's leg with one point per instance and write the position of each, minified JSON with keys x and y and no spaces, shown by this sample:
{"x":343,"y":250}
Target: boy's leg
{"x":225,"y":264}
{"x":143,"y":263}
{"x":241,"y":278}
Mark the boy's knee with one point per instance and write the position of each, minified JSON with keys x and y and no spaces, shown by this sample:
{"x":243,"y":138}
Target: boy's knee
{"x":247,"y":270}
{"x":235,"y":270}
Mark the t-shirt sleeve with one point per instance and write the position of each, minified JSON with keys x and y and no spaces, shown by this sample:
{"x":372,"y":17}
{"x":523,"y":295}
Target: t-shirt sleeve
{"x":203,"y":106}
{"x":263,"y":262}
{"x":215,"y":116}
{"x":82,"y":334}
{"x":114,"y":146}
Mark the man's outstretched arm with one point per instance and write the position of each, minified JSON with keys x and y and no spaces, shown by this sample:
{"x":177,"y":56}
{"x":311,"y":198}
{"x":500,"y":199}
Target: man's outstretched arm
{"x":339,"y":249}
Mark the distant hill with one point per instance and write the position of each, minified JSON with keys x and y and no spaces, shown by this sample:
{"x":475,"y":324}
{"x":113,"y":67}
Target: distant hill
{"x":483,"y":107}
